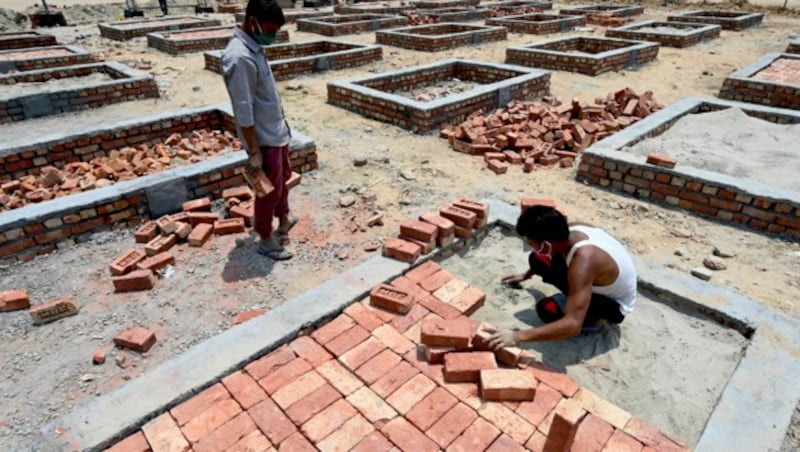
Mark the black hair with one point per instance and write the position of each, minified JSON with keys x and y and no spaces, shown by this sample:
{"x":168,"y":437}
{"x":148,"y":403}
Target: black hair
{"x":265,"y":11}
{"x":542,"y":223}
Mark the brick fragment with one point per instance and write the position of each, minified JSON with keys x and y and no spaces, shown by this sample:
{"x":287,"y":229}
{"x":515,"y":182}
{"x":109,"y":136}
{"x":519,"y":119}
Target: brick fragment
{"x":456,"y":332}
{"x":183,"y":230}
{"x":391,"y":298}
{"x":146,"y":232}
{"x":244,"y":316}
{"x":460,"y":217}
{"x":156,"y":262}
{"x":196,"y":218}
{"x":137,"y":339}
{"x":166,"y":224}
{"x":160,"y":244}
{"x":135,"y":280}
{"x":241,"y":192}
{"x":507,"y":384}
{"x":402,"y":250}
{"x":229,"y":226}
{"x":197,"y":205}
{"x":12,"y":300}
{"x":126,"y":262}
{"x":662,"y":160}
{"x":99,"y":356}
{"x":200,"y":234}
{"x":53,"y":310}
{"x":462,"y":367}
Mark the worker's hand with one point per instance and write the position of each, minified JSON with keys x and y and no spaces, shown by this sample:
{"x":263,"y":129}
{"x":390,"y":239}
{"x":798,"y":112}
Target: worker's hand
{"x":254,"y":160}
{"x":513,"y":281}
{"x":500,"y":338}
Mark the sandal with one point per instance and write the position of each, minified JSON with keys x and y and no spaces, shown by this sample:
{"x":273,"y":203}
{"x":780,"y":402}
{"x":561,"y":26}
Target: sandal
{"x":283,"y":234}
{"x":276,"y":254}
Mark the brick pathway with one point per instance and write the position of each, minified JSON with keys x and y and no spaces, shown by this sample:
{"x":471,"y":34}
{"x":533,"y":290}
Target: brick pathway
{"x":361,"y":382}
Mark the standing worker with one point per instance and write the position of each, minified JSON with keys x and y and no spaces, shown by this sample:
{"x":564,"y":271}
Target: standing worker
{"x":260,"y":120}
{"x":163,"y":5}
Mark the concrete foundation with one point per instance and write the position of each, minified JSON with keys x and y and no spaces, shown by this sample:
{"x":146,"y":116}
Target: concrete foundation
{"x":24,"y":39}
{"x":31,"y":59}
{"x":349,"y":23}
{"x":729,"y":20}
{"x":434,"y":38}
{"x":745,"y":85}
{"x":539,"y":24}
{"x":198,"y":40}
{"x":129,"y":29}
{"x":689,"y":34}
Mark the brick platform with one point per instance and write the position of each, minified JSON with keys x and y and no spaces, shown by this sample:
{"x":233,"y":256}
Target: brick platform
{"x":709,"y":194}
{"x":349,"y":23}
{"x":539,"y":24}
{"x":127,"y":84}
{"x":31,"y":59}
{"x":290,"y":60}
{"x":433,"y":38}
{"x":592,"y":56}
{"x":291,"y":15}
{"x":40,"y":228}
{"x":393,"y":7}
{"x":729,"y":20}
{"x":374,"y":97}
{"x":129,"y":29}
{"x":24,"y":39}
{"x":689,"y":35}
{"x":198,"y":40}
{"x":456,"y":14}
{"x":604,"y":10}
{"x":767,"y":82}
{"x":793,"y":47}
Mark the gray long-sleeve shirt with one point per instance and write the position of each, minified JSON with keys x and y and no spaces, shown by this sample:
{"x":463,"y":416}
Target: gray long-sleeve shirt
{"x":251,"y":87}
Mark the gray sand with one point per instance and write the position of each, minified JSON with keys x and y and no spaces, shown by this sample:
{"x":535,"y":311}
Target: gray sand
{"x":666,"y":367}
{"x":66,"y":83}
{"x":732,"y":143}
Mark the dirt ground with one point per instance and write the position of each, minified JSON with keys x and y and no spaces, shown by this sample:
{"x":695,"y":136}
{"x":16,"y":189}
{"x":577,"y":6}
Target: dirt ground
{"x":47,"y":370}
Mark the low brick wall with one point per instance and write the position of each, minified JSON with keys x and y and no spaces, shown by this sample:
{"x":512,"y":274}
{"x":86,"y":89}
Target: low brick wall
{"x":435,"y":4}
{"x":350,"y":23}
{"x":538,"y":24}
{"x":129,"y":29}
{"x":22,"y":60}
{"x":198,"y":40}
{"x":691,"y":33}
{"x":604,"y":10}
{"x":729,"y":20}
{"x":291,"y":15}
{"x":373,"y":8}
{"x":24,"y":39}
{"x":793,"y":47}
{"x":601,"y":54}
{"x":289,"y":60}
{"x":743,"y":86}
{"x":433,"y":38}
{"x":41,"y":228}
{"x":518,"y":3}
{"x":458,"y":14}
{"x":127,"y":84}
{"x":713,"y":195}
{"x":374,"y":97}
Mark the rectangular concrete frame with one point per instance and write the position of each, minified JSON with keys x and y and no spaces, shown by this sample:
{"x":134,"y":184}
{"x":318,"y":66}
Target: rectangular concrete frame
{"x":631,"y":55}
{"x":604,"y":10}
{"x":76,"y":55}
{"x":426,"y":116}
{"x":129,"y":29}
{"x":291,"y":15}
{"x":188,"y":176}
{"x":694,"y":33}
{"x":753,"y":412}
{"x":538,"y":23}
{"x":349,"y":23}
{"x":53,"y":102}
{"x":454,"y":14}
{"x":509,"y":8}
{"x":349,"y":54}
{"x":607,"y":165}
{"x":394,"y":7}
{"x":425,"y":37}
{"x":24,"y":39}
{"x":729,"y":20}
{"x":744,"y":87}
{"x":176,"y":42}
{"x":793,"y":47}
{"x":437,"y":4}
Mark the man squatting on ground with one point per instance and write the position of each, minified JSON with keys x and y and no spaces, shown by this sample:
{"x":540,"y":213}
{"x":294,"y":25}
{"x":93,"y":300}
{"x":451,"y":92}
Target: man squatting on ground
{"x":593,"y":271}
{"x":259,"y":115}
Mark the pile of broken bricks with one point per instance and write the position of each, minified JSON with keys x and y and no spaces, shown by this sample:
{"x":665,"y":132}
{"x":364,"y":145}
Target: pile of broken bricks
{"x":546,"y":133}
{"x":122,"y":164}
{"x":136,"y":339}
{"x":422,"y":236}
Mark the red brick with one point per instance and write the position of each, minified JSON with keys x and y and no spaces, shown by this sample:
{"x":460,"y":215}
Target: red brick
{"x":463,"y":233}
{"x":328,"y":420}
{"x":425,"y":247}
{"x":253,"y":441}
{"x":422,"y":271}
{"x":592,"y":434}
{"x":438,"y":307}
{"x":258,"y":181}
{"x":133,"y":443}
{"x":160,"y":244}
{"x":400,"y":249}
{"x":388,"y":383}
{"x":530,"y":202}
{"x":450,"y":290}
{"x":284,"y":375}
{"x":12,"y":300}
{"x":229,"y":226}
{"x":146,"y":232}
{"x":241,"y":192}
{"x":445,"y":228}
{"x":507,"y":384}
{"x":294,"y":180}
{"x":416,"y":358}
{"x":407,"y":437}
{"x":362,"y":353}
{"x":162,"y":433}
{"x":347,"y":436}
{"x":560,"y":381}
{"x":568,"y":414}
{"x":622,"y":442}
{"x":297,"y":389}
{"x":393,"y":339}
{"x":425,"y":413}
{"x":166,"y":224}
{"x":54,"y":309}
{"x":544,"y":402}
{"x":497,"y":166}
{"x":466,"y":366}
{"x":402,"y":323}
{"x":436,"y":280}
{"x":477,"y":436}
{"x":507,"y":421}
{"x":248,"y":315}
{"x":505,"y":444}
{"x":200,"y":234}
{"x":138,"y":339}
{"x":127,"y":262}
{"x":332,"y":329}
{"x":468,"y":301}
{"x":455,"y":332}
{"x":226,"y":435}
{"x":451,"y":423}
{"x":308,"y":349}
{"x":197,"y":205}
{"x":316,"y":401}
{"x":536,"y":442}
{"x":156,"y":262}
{"x":347,"y":340}
{"x":364,"y":316}
{"x":271,"y":421}
{"x":268,"y":364}
{"x":183,"y":230}
{"x":434,"y":354}
{"x":406,"y":285}
{"x":245,"y":210}
{"x":210,"y":420}
{"x":378,"y":366}
{"x":339,"y":377}
{"x":196,"y":218}
{"x":410,"y":393}
{"x":418,"y":230}
{"x":662,"y":160}
{"x":652,"y":437}
{"x":244,"y":389}
{"x":460,"y":217}
{"x":135,"y":280}
{"x":196,"y":405}
{"x":391,"y":298}
{"x":481,"y":209}
{"x":374,"y":442}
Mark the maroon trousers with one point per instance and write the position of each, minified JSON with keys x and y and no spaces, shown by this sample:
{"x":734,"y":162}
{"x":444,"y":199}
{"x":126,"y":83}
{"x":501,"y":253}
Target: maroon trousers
{"x":276,"y":165}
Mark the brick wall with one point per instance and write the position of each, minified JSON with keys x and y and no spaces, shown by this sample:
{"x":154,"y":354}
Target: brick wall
{"x":729,"y":20}
{"x":24,"y":39}
{"x":453,"y":14}
{"x":553,"y":55}
{"x":128,"y":84}
{"x":794,"y":47}
{"x":348,"y":24}
{"x":539,"y":24}
{"x":367,"y":8}
{"x":126,"y":30}
{"x":432,"y":4}
{"x":290,"y":60}
{"x":694,"y":33}
{"x":31,"y":59}
{"x":433,"y":38}
{"x":216,"y":38}
{"x":741,"y":86}
{"x":597,"y":10}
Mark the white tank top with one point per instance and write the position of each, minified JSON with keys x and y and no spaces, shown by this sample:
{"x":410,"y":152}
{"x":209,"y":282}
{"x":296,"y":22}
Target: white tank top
{"x":623,"y":289}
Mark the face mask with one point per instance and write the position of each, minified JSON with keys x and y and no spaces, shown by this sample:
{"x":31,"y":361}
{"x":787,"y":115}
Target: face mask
{"x":264,"y":39}
{"x":541,"y":256}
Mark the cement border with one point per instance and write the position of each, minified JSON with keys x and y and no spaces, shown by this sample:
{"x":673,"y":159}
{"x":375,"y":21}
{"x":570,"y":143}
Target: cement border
{"x":406,"y":37}
{"x":742,"y":86}
{"x":169,"y":41}
{"x":698,"y":33}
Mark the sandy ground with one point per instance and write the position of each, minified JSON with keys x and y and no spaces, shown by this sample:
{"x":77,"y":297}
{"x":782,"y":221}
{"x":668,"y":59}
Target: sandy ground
{"x":66,"y":83}
{"x":47,"y":370}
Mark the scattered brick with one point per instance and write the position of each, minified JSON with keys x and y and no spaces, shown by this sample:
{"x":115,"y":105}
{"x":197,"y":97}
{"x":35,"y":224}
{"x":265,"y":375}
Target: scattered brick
{"x":418,"y":230}
{"x":229,"y":226}
{"x":183,"y":230}
{"x":156,"y":262}
{"x":294,"y":180}
{"x":507,"y":384}
{"x":497,"y":166}
{"x":137,"y":339}
{"x":53,"y":310}
{"x":463,"y":367}
{"x":245,"y":210}
{"x":456,"y":332}
{"x":12,"y":300}
{"x":146,"y":232}
{"x":200,"y":234}
{"x":197,"y":205}
{"x":196,"y":218}
{"x":242,"y":193}
{"x":99,"y":356}
{"x":402,"y":250}
{"x":127,"y":262}
{"x":662,"y":160}
{"x":391,"y":298}
{"x":135,"y":280}
{"x":460,"y":217}
{"x":248,"y":315}
{"x":160,"y":244}
{"x":166,"y":224}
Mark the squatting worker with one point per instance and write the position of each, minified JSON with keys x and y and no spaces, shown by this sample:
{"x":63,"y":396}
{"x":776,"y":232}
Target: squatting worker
{"x":260,"y":119}
{"x":593,"y":271}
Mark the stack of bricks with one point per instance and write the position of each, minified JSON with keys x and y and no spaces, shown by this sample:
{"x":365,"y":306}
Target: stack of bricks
{"x":431,"y":230}
{"x":41,"y":313}
{"x":546,"y":133}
